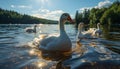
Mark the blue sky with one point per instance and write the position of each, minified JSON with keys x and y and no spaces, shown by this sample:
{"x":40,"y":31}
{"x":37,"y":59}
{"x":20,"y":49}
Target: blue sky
{"x":52,"y":9}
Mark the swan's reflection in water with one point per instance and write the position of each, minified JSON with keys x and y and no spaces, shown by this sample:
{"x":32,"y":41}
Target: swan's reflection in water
{"x":56,"y":58}
{"x":49,"y":59}
{"x":55,"y":55}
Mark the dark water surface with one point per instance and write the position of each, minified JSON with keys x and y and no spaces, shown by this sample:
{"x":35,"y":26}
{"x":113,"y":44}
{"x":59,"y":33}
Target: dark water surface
{"x":18,"y":49}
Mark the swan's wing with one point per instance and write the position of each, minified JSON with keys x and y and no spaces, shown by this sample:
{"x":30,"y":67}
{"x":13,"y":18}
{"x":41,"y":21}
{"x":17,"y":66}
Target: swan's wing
{"x":47,"y":40}
{"x":59,"y":44}
{"x":91,"y":30}
{"x":98,"y":31}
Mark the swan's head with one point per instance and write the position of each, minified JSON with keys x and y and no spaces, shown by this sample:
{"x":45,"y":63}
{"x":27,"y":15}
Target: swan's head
{"x":80,"y":26}
{"x":66,"y":17}
{"x":98,"y":23}
{"x":35,"y":25}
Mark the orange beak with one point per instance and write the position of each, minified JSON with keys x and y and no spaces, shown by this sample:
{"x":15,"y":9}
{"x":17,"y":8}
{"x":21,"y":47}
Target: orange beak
{"x":69,"y":19}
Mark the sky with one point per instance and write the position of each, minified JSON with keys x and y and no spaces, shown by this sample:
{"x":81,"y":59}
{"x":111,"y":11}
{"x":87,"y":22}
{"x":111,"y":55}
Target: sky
{"x":52,"y":9}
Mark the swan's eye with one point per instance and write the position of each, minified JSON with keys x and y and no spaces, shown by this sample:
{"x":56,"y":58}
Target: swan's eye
{"x":65,"y":15}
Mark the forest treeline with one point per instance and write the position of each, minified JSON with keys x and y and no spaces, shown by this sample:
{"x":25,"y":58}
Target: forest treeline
{"x":12,"y":17}
{"x":108,"y":17}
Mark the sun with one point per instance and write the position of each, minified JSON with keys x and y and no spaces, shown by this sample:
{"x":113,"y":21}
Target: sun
{"x":42,"y":1}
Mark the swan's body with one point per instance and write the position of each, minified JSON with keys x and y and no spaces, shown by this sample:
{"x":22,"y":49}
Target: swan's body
{"x":97,"y":32}
{"x":30,"y":30}
{"x":82,"y":34}
{"x":60,"y":43}
{"x":92,"y":29}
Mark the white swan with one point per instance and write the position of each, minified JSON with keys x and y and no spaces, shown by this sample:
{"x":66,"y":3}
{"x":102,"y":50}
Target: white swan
{"x":82,"y":34}
{"x":61,"y":43}
{"x":97,"y":32}
{"x":31,"y":30}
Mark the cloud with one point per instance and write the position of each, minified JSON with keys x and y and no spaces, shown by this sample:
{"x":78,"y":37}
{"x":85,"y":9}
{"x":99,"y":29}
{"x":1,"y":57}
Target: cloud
{"x":12,"y":6}
{"x":47,"y":14}
{"x":21,"y":6}
{"x":44,"y":10}
{"x":102,"y":4}
{"x":82,"y":9}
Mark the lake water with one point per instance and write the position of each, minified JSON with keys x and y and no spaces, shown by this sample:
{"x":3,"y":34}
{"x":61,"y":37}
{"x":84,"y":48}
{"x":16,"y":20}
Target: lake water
{"x":18,"y":49}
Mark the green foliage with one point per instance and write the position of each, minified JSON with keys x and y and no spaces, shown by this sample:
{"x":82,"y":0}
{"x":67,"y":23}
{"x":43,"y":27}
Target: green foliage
{"x":111,"y":17}
{"x":86,"y":16}
{"x":82,"y":17}
{"x":13,"y":17}
{"x":76,"y":18}
{"x":108,"y":17}
{"x":95,"y":15}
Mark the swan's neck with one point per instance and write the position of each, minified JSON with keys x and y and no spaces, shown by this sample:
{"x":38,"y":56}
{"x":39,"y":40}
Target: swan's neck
{"x":98,"y":26}
{"x":35,"y":28}
{"x":80,"y":29}
{"x":61,"y":27}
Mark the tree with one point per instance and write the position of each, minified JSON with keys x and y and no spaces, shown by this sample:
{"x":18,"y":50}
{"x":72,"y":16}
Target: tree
{"x":8,"y":16}
{"x":86,"y":14}
{"x":111,"y":17}
{"x":76,"y":18}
